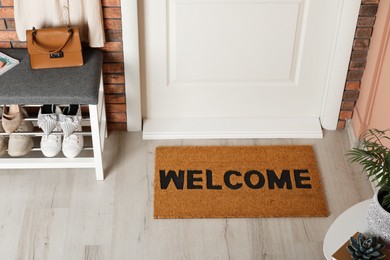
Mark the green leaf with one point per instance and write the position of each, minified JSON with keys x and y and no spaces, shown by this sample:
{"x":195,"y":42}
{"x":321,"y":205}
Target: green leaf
{"x":373,"y":155}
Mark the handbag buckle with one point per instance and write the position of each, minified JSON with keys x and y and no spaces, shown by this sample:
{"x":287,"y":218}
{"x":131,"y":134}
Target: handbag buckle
{"x":56,"y":55}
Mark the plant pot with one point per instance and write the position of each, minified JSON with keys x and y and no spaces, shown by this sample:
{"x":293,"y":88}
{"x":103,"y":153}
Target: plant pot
{"x":379,"y":219}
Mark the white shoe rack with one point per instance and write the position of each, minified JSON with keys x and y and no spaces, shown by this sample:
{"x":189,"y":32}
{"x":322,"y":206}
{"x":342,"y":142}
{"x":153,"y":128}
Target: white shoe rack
{"x":97,"y":129}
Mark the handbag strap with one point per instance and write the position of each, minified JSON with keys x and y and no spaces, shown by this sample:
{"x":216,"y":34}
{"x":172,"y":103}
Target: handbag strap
{"x":34,"y":32}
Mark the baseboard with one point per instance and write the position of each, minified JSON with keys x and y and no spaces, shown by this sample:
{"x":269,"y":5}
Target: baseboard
{"x":218,"y":128}
{"x":353,"y":141}
{"x":351,"y":134}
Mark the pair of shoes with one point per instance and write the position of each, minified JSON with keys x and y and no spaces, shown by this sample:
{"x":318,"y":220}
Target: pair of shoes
{"x":20,"y":145}
{"x":50,"y":117}
{"x":11,"y":118}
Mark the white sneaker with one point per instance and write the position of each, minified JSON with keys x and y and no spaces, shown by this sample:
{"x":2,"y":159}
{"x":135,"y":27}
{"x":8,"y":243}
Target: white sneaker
{"x":73,"y":144}
{"x":70,"y":123}
{"x":47,"y":120}
{"x":19,"y":145}
{"x":50,"y":143}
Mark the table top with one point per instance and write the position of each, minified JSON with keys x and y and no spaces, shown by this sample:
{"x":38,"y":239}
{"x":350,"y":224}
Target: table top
{"x":346,"y":225}
{"x":76,"y":85}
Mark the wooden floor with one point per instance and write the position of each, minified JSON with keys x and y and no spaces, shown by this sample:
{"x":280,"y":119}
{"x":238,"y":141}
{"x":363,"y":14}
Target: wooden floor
{"x":66,"y":214}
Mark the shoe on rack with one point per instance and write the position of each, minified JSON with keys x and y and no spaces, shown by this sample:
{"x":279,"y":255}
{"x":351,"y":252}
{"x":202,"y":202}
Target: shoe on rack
{"x":48,"y":118}
{"x":12,"y":118}
{"x":3,"y":141}
{"x":72,"y":144}
{"x":50,"y":143}
{"x":70,"y":120}
{"x":19,"y":145}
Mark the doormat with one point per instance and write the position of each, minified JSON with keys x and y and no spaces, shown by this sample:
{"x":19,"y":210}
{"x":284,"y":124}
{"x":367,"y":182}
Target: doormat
{"x":237,"y":182}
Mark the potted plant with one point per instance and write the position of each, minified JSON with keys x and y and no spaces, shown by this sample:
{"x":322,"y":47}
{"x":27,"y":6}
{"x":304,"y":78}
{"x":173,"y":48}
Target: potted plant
{"x":373,"y":154}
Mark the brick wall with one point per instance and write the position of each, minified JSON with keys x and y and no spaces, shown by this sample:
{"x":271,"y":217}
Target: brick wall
{"x":113,"y":68}
{"x":357,"y":63}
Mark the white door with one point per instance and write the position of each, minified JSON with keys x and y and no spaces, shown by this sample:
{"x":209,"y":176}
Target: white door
{"x":236,"y":68}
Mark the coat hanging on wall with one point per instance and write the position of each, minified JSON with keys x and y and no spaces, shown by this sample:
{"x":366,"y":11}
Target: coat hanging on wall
{"x":85,"y":14}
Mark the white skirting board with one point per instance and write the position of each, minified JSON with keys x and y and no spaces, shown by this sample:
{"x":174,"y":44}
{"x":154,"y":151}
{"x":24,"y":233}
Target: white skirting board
{"x":353,"y":142}
{"x":217,"y":128}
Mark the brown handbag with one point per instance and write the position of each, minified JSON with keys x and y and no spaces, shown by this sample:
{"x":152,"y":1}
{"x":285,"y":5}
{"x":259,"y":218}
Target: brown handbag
{"x":54,"y":47}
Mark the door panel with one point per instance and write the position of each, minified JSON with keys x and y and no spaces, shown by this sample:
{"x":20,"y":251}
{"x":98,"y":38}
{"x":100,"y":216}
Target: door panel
{"x":237,"y":59}
{"x":232,"y":47}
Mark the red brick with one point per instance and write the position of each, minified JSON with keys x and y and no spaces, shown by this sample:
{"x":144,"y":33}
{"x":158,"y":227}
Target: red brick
{"x":352,"y":85}
{"x":8,"y":36}
{"x":350,"y":95}
{"x":368,"y":10}
{"x":363,"y":32}
{"x":361,"y":44}
{"x":113,"y":78}
{"x":111,"y":3}
{"x":114,"y":89}
{"x":6,"y":12}
{"x":112,"y":108}
{"x":116,"y":126}
{"x":19,"y":45}
{"x":2,"y":25}
{"x":111,"y":12}
{"x":113,"y":35}
{"x":370,"y":1}
{"x":112,"y":23}
{"x":357,"y":65}
{"x":7,"y":2}
{"x":116,"y":117}
{"x":113,"y":47}
{"x":115,"y":99}
{"x":359,"y":55}
{"x":10,"y":24}
{"x":355,"y":75}
{"x":366,"y":21}
{"x":347,"y":105}
{"x":5,"y":45}
{"x":345,"y":115}
{"x":112,"y":57}
{"x":113,"y":68}
{"x":341,"y":124}
{"x":84,"y":110}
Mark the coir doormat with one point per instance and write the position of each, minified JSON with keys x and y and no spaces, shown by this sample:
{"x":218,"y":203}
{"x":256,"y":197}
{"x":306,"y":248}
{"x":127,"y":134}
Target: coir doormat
{"x":237,"y":182}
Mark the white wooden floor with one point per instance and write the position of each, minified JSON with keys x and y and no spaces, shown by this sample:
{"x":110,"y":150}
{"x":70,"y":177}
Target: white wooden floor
{"x":67,"y":214}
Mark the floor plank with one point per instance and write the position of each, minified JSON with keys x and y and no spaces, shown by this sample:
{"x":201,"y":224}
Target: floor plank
{"x":67,"y":214}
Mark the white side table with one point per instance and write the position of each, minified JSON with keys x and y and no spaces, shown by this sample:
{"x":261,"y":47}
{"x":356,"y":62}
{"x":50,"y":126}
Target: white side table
{"x":346,"y":225}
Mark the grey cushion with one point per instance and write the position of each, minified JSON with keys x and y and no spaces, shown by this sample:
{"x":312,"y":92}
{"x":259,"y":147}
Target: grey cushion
{"x":76,"y":85}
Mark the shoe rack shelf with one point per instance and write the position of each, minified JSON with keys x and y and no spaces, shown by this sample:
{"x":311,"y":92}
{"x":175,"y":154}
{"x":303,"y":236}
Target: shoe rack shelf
{"x":97,"y":132}
{"x":94,"y":127}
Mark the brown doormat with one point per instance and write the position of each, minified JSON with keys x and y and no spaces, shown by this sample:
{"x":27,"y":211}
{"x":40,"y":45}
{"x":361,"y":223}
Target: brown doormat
{"x":237,"y":182}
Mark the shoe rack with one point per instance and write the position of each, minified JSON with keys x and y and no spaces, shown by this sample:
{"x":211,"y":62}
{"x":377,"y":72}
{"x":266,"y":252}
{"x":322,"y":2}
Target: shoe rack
{"x":94,"y":129}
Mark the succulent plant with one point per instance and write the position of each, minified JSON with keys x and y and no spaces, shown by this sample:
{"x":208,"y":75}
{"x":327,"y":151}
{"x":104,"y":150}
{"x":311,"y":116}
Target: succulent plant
{"x":365,"y":248}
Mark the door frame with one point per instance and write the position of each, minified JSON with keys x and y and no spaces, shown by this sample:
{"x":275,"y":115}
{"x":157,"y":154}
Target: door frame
{"x":131,"y":60}
{"x":336,"y":76}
